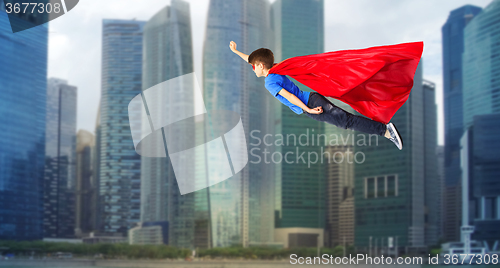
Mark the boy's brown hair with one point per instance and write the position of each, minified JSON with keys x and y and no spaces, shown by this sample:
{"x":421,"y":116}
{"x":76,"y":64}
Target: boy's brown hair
{"x":262,"y":55}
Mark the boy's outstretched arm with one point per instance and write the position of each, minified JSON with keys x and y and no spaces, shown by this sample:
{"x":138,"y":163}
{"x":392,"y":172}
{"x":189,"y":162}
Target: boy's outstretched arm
{"x":232,"y":46}
{"x":293,"y":99}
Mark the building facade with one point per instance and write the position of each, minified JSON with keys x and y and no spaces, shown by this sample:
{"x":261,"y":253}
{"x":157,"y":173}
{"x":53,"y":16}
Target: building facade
{"x":481,"y":91}
{"x":241,"y":207}
{"x":86,"y":187}
{"x":483,"y":172}
{"x":481,"y":88}
{"x":453,"y":47}
{"x":168,"y":53}
{"x":339,"y":190}
{"x":441,"y":195}
{"x":96,"y":163}
{"x":391,"y":200}
{"x":22,"y":142}
{"x":149,"y":233}
{"x":431,"y":173}
{"x":120,"y":165}
{"x":60,"y":160}
{"x":298,"y":28}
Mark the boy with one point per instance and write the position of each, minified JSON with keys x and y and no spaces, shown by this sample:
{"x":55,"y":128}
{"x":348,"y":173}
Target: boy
{"x":312,"y":103}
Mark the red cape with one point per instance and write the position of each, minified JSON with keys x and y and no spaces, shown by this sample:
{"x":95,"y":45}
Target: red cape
{"x":374,"y":81}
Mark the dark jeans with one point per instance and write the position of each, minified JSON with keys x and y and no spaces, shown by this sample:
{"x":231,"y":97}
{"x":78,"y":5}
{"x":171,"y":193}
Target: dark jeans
{"x":336,"y":116}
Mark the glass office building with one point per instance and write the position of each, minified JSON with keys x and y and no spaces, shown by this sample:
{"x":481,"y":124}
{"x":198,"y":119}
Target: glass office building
{"x":481,"y":91}
{"x":120,"y":165}
{"x":96,"y":164}
{"x":453,"y":47}
{"x":60,"y":160}
{"x":432,"y":183}
{"x":23,"y":80}
{"x":241,"y":207}
{"x":485,"y":174}
{"x":390,"y":185}
{"x":168,"y":53}
{"x":481,"y":162}
{"x":85,"y":184}
{"x":298,"y":28}
{"x":481,"y":64}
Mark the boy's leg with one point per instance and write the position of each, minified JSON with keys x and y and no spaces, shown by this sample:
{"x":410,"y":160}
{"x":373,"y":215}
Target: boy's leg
{"x":334,"y":115}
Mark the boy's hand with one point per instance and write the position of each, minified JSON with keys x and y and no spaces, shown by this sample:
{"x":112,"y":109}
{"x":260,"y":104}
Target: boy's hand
{"x":232,"y":46}
{"x":316,"y":110}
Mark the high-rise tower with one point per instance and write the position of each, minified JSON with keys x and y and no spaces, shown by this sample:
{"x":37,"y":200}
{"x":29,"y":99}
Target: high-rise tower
{"x":120,"y":165}
{"x":453,"y":47}
{"x":241,"y":208}
{"x":300,"y":188}
{"x":60,"y":160}
{"x":393,"y":184}
{"x":168,"y":53}
{"x":23,"y":80}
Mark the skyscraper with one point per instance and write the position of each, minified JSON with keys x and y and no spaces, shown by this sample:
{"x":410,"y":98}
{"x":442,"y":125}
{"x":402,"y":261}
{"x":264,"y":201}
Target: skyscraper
{"x":85,"y":183}
{"x":339,"y":192}
{"x":453,"y":47}
{"x":481,"y":64}
{"x":431,"y":173}
{"x":168,"y":53}
{"x":23,"y":82}
{"x":241,"y":207}
{"x":120,"y":165}
{"x":300,"y":189}
{"x":96,"y":163}
{"x":339,"y":173}
{"x":441,"y":195}
{"x":481,"y":91}
{"x":60,"y":160}
{"x":480,"y":168}
{"x":392,"y":187}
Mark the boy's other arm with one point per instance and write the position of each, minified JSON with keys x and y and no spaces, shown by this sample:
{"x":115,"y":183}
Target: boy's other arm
{"x":294,"y":100}
{"x":232,"y":46}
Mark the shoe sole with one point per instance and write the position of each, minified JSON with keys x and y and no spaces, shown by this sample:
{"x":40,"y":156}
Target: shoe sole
{"x":400,"y":140}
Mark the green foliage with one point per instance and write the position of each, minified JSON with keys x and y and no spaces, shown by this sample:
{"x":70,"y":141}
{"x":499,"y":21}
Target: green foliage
{"x":435,"y":251}
{"x":114,"y":251}
{"x":126,"y":251}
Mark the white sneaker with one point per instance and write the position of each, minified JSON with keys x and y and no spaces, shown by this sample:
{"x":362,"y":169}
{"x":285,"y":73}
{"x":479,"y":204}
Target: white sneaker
{"x":395,"y":137}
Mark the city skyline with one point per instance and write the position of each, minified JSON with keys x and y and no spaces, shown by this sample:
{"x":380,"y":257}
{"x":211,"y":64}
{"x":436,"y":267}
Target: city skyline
{"x":347,"y":27}
{"x":378,"y":200}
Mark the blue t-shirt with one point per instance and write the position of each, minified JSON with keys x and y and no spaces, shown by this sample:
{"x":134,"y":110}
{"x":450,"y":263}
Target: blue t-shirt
{"x":275,"y":82}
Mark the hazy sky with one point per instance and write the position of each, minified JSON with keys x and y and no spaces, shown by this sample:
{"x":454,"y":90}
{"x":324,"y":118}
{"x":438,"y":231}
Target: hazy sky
{"x":75,"y":38}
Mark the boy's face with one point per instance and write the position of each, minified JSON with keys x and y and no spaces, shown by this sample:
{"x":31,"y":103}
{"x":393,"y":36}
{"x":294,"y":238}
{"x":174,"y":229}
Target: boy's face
{"x":258,"y":69}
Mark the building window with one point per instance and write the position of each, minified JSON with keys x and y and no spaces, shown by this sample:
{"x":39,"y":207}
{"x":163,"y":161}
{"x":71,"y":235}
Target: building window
{"x":370,"y":187}
{"x":391,"y":186}
{"x":490,"y":208}
{"x":381,"y":186}
{"x":455,"y":80}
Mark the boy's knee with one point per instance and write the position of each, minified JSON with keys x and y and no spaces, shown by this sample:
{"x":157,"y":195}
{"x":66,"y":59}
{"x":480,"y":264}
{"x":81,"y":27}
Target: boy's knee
{"x":328,"y":107}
